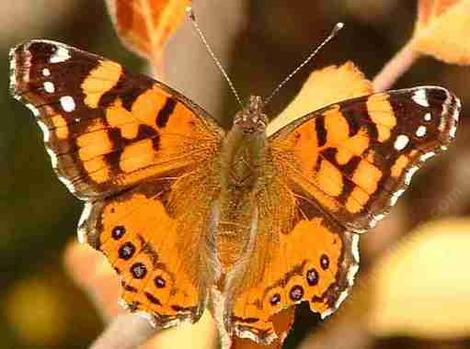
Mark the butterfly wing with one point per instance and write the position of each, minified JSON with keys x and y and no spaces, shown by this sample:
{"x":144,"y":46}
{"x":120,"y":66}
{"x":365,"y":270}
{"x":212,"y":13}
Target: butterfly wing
{"x":298,"y":254}
{"x":355,"y":158}
{"x":107,"y":129}
{"x":141,"y":155}
{"x":156,"y":238}
{"x":335,"y":173}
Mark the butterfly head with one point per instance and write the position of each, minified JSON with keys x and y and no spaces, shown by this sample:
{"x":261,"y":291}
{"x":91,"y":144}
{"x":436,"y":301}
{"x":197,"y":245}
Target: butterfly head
{"x":252,"y":119}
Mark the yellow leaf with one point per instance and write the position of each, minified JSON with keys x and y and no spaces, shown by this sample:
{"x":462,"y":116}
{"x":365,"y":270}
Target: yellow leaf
{"x":323,"y":87}
{"x":146,"y":25}
{"x":421,"y":289}
{"x":201,"y":335}
{"x":443,"y":30}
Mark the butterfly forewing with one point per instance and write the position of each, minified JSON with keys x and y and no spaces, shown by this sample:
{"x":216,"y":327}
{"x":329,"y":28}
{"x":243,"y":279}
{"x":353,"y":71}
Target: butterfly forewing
{"x":355,"y":158}
{"x":106,"y":128}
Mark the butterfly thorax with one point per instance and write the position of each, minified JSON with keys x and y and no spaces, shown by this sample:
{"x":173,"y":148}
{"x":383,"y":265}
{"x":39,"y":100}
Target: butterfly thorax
{"x":243,"y":160}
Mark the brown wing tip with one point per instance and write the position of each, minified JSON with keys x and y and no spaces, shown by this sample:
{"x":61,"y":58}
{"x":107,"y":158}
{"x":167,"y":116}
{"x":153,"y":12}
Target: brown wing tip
{"x":24,"y":55}
{"x":433,"y":97}
{"x":17,"y":64}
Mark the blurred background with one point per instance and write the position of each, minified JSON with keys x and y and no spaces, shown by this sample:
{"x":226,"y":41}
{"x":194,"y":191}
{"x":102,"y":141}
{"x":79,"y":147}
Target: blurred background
{"x":414,"y":286}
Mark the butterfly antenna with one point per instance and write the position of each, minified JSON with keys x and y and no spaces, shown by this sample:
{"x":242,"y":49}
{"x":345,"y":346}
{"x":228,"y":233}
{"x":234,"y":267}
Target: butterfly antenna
{"x":333,"y":33}
{"x":192,"y":17}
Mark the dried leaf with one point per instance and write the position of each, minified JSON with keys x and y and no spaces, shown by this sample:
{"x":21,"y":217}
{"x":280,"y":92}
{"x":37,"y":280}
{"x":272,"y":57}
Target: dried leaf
{"x":421,"y":288}
{"x":324,"y":87}
{"x":443,"y":30}
{"x":427,"y":9}
{"x":146,"y":25}
{"x":282,"y":321}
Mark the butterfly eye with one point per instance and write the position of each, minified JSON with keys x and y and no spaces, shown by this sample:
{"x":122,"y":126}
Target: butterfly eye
{"x":159,"y":282}
{"x":296,"y":293}
{"x":312,"y":277}
{"x":275,"y":299}
{"x":138,"y":270}
{"x":118,"y":232}
{"x":126,"y":251}
{"x":324,"y":261}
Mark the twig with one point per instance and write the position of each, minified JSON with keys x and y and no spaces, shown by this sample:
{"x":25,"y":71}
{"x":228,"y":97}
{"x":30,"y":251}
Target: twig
{"x":127,"y":331}
{"x":396,"y":67}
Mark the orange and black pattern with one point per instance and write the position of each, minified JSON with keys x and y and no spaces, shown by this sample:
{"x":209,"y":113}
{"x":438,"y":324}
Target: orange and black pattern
{"x":323,"y":261}
{"x":105,"y":128}
{"x":154,"y":168}
{"x":355,"y":158}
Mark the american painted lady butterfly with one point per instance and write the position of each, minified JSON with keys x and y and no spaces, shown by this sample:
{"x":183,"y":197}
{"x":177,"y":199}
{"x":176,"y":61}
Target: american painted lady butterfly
{"x":184,"y":210}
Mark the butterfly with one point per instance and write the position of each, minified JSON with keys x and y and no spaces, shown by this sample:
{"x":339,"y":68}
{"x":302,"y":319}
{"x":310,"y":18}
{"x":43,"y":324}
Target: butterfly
{"x":241,"y":222}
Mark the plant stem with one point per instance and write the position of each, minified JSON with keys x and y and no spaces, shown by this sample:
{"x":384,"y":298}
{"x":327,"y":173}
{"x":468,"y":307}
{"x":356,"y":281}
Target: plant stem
{"x":396,"y":67}
{"x":127,"y":331}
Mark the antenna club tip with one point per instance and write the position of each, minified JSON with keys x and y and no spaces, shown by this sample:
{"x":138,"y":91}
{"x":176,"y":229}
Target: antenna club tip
{"x":190,"y":13}
{"x":338,"y":26}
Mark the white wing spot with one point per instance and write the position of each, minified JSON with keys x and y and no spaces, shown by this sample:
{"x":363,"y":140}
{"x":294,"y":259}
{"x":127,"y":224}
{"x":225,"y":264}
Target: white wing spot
{"x":427,"y":117}
{"x":401,"y":142}
{"x":49,"y":87}
{"x":427,"y":156}
{"x":420,"y":98}
{"x":33,"y":109}
{"x":82,"y":233}
{"x":376,"y":219}
{"x":410,"y":174}
{"x":53,"y":157}
{"x":421,"y":131}
{"x":46,"y":72}
{"x":396,"y":196}
{"x":67,"y":103}
{"x":452,"y":131}
{"x":355,"y":247}
{"x":61,"y":55}
{"x":45,"y":130}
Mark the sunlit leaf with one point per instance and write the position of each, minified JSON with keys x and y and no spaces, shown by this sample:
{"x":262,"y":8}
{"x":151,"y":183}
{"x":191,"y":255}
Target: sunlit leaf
{"x":443,"y":30}
{"x":323,"y":87}
{"x":201,"y":335}
{"x":422,"y":288}
{"x":146,"y":25}
{"x":92,"y":272}
{"x":427,"y":9}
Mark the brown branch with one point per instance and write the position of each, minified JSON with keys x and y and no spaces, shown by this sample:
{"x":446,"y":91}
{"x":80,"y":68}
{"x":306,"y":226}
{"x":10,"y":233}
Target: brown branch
{"x":396,"y":67}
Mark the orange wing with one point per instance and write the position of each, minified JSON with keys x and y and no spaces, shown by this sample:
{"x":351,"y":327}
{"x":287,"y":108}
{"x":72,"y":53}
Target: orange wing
{"x":105,"y":128}
{"x":155,"y":236}
{"x":142,"y":156}
{"x":295,"y":257}
{"x":355,"y":158}
{"x":335,"y":173}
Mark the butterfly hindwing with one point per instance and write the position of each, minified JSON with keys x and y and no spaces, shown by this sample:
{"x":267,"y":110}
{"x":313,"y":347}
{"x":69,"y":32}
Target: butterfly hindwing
{"x":106,"y":128}
{"x":155,"y":238}
{"x":356,"y":157}
{"x":314,"y":261}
